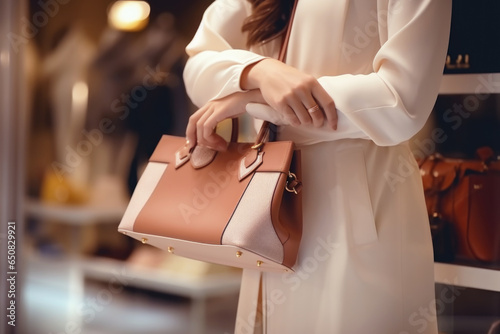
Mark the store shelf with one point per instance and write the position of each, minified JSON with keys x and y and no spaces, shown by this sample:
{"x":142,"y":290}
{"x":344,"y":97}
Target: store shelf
{"x":474,"y":85}
{"x":465,"y":276}
{"x":194,"y":287}
{"x":76,"y":215}
{"x":483,"y":83}
{"x":197,"y":288}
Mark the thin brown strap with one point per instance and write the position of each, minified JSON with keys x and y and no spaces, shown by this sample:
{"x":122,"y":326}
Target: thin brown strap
{"x":284,"y":46}
{"x":234,"y":130}
{"x":264,"y":129}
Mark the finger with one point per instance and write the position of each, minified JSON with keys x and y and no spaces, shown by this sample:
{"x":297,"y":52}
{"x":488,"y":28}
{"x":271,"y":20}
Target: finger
{"x":300,"y":111}
{"x":206,"y":135}
{"x":201,"y":136}
{"x":210,"y":135}
{"x":290,"y":116}
{"x":327,"y":104}
{"x":315,"y":112}
{"x":309,"y":104}
{"x":317,"y":115}
{"x":191,"y":131}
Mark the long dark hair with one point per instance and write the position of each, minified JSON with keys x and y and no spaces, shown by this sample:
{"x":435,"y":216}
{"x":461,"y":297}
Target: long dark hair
{"x":268,"y":20}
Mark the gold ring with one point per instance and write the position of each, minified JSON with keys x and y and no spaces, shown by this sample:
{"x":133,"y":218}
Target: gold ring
{"x":313,"y":109}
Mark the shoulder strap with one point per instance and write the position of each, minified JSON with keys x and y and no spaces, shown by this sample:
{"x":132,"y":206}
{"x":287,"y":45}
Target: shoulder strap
{"x":267,"y":129}
{"x":286,"y":38}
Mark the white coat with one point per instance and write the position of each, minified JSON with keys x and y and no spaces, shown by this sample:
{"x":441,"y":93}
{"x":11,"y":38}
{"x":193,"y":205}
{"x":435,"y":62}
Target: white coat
{"x":365,"y":263}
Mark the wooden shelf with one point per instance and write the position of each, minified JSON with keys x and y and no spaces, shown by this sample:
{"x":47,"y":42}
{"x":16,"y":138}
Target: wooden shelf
{"x":465,"y":276}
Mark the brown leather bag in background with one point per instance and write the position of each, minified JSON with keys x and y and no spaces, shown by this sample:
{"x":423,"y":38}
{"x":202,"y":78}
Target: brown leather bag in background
{"x":463,"y":202}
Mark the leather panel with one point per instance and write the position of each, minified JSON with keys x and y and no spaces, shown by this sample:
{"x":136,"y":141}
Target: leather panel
{"x":200,"y":201}
{"x":251,"y":226}
{"x":483,"y":227}
{"x":145,"y":187}
{"x":287,"y":214}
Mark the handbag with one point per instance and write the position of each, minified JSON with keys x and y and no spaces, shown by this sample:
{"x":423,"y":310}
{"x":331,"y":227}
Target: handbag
{"x":241,"y":207}
{"x":463,"y":202}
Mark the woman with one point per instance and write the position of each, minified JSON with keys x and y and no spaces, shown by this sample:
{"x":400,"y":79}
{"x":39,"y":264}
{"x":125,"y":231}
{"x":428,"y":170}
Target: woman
{"x":360,"y":80}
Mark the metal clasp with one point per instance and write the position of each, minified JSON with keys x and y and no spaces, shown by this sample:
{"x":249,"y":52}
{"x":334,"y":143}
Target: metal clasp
{"x":257,"y":146}
{"x":292,"y":179}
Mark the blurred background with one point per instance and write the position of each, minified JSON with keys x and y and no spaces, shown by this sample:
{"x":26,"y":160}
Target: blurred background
{"x":87,"y":87}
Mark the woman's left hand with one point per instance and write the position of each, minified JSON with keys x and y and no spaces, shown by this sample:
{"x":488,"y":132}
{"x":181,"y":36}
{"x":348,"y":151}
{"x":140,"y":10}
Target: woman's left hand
{"x":201,"y":126}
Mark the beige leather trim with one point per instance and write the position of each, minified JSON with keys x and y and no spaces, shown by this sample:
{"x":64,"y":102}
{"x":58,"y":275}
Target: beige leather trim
{"x":247,"y":169}
{"x":251,"y":226}
{"x":202,"y":156}
{"x":143,"y":190}
{"x":182,"y":156}
{"x":220,"y":254}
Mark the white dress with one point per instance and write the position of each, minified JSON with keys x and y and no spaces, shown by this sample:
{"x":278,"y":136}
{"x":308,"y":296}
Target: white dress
{"x":365,"y":263}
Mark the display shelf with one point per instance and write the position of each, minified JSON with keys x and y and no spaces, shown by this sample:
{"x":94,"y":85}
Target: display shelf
{"x":76,"y":215}
{"x":482,"y":83}
{"x":475,"y":85}
{"x":161,"y":280}
{"x":466,"y":276}
{"x":197,"y":288}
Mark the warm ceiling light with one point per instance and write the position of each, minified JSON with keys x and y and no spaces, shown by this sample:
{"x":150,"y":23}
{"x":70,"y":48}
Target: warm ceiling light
{"x":129,"y":15}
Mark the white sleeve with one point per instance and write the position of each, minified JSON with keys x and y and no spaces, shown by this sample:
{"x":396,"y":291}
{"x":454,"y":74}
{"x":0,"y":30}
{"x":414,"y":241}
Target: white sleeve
{"x":218,"y":52}
{"x":388,"y":106}
{"x":392,"y":103}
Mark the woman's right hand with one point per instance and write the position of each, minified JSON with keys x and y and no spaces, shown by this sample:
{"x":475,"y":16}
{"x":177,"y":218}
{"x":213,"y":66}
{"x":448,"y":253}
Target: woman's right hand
{"x":201,"y":126}
{"x":291,"y":92}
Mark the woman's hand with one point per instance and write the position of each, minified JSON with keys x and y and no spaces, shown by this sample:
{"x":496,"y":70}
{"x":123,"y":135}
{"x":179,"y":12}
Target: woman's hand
{"x":296,"y":95}
{"x":201,"y":126}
